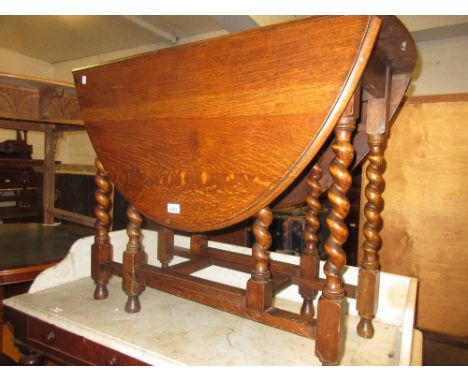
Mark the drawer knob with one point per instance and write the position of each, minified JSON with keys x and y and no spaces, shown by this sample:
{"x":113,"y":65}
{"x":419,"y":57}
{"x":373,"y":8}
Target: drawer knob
{"x":112,"y":362}
{"x":50,"y":338}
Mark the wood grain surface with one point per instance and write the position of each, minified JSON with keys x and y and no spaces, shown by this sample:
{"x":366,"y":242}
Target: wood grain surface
{"x":222,"y":127}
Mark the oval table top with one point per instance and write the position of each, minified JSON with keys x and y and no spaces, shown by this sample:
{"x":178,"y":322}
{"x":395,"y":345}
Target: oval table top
{"x":201,"y":136}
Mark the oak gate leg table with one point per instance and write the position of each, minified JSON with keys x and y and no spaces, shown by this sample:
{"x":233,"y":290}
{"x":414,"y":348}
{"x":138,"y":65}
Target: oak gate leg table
{"x":202,"y":136}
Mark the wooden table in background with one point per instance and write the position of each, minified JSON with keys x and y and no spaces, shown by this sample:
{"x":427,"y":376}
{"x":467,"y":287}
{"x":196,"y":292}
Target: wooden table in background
{"x":28,"y":249}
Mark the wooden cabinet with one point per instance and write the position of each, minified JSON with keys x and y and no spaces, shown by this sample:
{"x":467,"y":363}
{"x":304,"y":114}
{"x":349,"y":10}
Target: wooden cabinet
{"x":19,"y":182}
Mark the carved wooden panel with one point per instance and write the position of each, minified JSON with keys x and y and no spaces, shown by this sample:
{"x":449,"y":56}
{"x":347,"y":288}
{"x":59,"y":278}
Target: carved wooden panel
{"x":23,"y":102}
{"x":65,"y":107}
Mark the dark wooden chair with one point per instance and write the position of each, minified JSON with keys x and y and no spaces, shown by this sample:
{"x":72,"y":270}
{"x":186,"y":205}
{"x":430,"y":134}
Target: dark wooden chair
{"x":203,"y":136}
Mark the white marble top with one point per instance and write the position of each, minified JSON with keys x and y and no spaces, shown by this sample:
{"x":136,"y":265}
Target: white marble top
{"x":172,"y":330}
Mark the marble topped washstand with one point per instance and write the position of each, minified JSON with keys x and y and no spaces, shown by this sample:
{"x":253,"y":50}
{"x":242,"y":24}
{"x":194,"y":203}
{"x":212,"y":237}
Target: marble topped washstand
{"x":171,"y":331}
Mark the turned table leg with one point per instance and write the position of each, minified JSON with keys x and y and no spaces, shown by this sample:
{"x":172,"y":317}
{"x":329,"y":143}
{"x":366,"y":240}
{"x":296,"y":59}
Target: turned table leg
{"x":132,"y":257}
{"x":259,"y":293}
{"x":165,"y":246}
{"x":310,"y":261}
{"x":368,"y":284}
{"x":101,"y":250}
{"x":197,"y":244}
{"x":330,"y":315}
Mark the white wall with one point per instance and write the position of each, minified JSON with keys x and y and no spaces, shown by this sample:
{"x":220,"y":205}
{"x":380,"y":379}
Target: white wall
{"x":12,"y":62}
{"x":442,"y":67}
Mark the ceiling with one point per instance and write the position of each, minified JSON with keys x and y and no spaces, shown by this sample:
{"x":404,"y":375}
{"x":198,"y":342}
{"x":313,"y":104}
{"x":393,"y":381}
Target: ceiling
{"x":55,"y":39}
{"x":62,"y":38}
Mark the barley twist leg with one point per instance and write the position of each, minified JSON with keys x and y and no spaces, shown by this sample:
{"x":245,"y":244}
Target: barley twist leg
{"x":259,"y":293}
{"x":367,"y":292}
{"x":133,"y":256}
{"x":101,"y":250}
{"x":310,"y":261}
{"x":330,"y":318}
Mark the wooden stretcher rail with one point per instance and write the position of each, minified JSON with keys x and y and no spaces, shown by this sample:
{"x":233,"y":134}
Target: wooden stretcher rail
{"x":73,"y":217}
{"x":64,"y":124}
{"x":191,"y":266}
{"x":220,"y":296}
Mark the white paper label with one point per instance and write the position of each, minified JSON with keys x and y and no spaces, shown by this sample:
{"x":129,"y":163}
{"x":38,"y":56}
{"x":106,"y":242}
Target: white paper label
{"x":173,"y":208}
{"x":83,"y":80}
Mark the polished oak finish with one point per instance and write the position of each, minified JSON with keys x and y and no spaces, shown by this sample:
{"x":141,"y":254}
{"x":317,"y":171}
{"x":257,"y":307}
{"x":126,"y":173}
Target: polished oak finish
{"x":378,"y":115}
{"x":259,"y":292}
{"x":331,"y":303}
{"x":165,"y":246}
{"x":424,"y":231}
{"x":310,"y":260}
{"x":101,"y":250}
{"x":369,"y":272}
{"x":206,"y":135}
{"x":133,"y":256}
{"x":395,"y":49}
{"x":211,"y":114}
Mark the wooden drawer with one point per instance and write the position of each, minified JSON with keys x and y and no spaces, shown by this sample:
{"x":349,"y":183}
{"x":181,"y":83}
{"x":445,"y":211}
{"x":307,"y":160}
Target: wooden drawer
{"x":10,"y":181}
{"x":19,"y":180}
{"x":70,"y":349}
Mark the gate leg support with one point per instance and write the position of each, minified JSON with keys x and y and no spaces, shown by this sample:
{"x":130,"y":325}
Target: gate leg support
{"x":330,"y":315}
{"x":368,"y":282}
